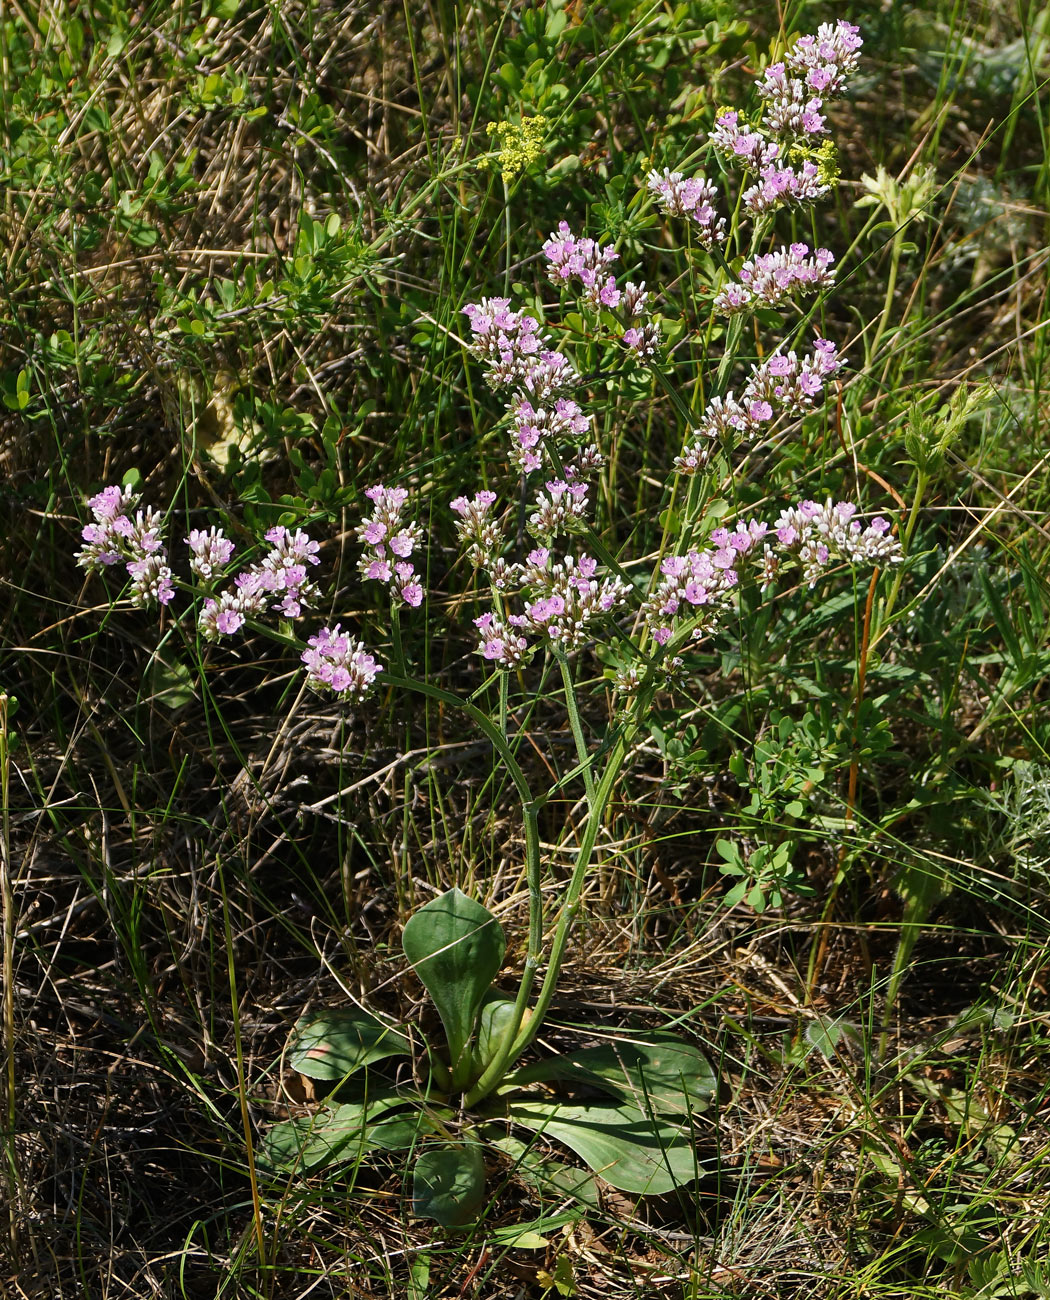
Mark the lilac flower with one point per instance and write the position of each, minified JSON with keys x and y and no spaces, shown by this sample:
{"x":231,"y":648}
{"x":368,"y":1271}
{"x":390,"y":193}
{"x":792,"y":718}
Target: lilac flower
{"x":501,"y":643}
{"x":150,"y":580}
{"x":792,"y":108}
{"x":740,"y":143}
{"x":794,"y":90}
{"x":569,"y":258}
{"x":112,"y":502}
{"x":645,"y":342}
{"x":251,"y":588}
{"x":569,"y":598}
{"x":792,"y":384}
{"x":553,"y":373}
{"x":116,"y":538}
{"x":827,"y":59}
{"x":407,"y":585}
{"x":698,"y":580}
{"x":512,"y":346}
{"x":335,"y":662}
{"x":771,"y":277}
{"x":221,"y":616}
{"x":694,"y":197}
{"x":697,"y":586}
{"x":534,"y":425}
{"x":781,"y":184}
{"x":816,"y":535}
{"x":561,"y":509}
{"x":209,"y":552}
{"x":564,"y":602}
{"x":782,"y":384}
{"x":389,"y":541}
{"x":283,"y":570}
{"x":475,"y":529}
{"x":282,"y":573}
{"x":814,"y":69}
{"x":499,"y":334}
{"x":588,"y":461}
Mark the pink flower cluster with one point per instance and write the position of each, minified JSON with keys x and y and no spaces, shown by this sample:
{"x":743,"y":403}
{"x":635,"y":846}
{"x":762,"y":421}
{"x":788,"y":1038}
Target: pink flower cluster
{"x":389,"y":542}
{"x":794,"y":90}
{"x":475,"y":529}
{"x":567,"y":598}
{"x":696,"y":585}
{"x":742,"y":143}
{"x":278,"y":582}
{"x":117,"y":538}
{"x":534,"y":426}
{"x":512,"y":346}
{"x":643,"y":339}
{"x":817,"y":534}
{"x":334,"y":662}
{"x":771,"y":277}
{"x":793,"y":384}
{"x":778,"y":182}
{"x":569,"y":258}
{"x":692,"y":197}
{"x":501,"y":643}
{"x":792,"y":109}
{"x":781,"y":384}
{"x":561,"y":509}
{"x":828,"y":59}
{"x":563,"y":603}
{"x":281,"y":573}
{"x":781,"y":184}
{"x":499,"y":333}
{"x":698,"y":581}
{"x":209,"y":552}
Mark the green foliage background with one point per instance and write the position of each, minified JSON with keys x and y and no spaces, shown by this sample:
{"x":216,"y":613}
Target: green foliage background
{"x":236,"y":241}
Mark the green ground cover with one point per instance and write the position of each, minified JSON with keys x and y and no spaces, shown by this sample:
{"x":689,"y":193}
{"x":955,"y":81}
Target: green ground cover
{"x":783,"y":904}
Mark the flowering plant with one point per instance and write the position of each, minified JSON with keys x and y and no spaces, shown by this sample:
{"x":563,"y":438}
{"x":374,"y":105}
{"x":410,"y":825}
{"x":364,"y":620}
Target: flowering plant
{"x":553,"y":597}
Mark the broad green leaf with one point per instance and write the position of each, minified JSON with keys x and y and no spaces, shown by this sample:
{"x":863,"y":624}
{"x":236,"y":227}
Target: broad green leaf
{"x":456,"y":947}
{"x":401,"y":1132}
{"x":493,"y":1022}
{"x":419,"y":1277}
{"x":526,"y":1236}
{"x":638,"y":1153}
{"x":170,"y":684}
{"x":562,"y":1279}
{"x":656,"y":1071}
{"x":449,"y":1184}
{"x":553,"y":1179}
{"x":337,"y":1043}
{"x":825,"y":1033}
{"x":334,"y":1133}
{"x":515,"y":1238}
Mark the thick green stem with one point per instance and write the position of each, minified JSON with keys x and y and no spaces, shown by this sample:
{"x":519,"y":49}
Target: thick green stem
{"x":493,"y":1075}
{"x":513,"y":1047}
{"x":891,"y":286}
{"x":575,"y":724}
{"x":521,"y":1032}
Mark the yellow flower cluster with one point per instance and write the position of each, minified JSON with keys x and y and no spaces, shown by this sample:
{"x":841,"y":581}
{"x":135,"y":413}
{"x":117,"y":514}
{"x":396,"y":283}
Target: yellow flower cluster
{"x":520,"y":143}
{"x":826,"y":156}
